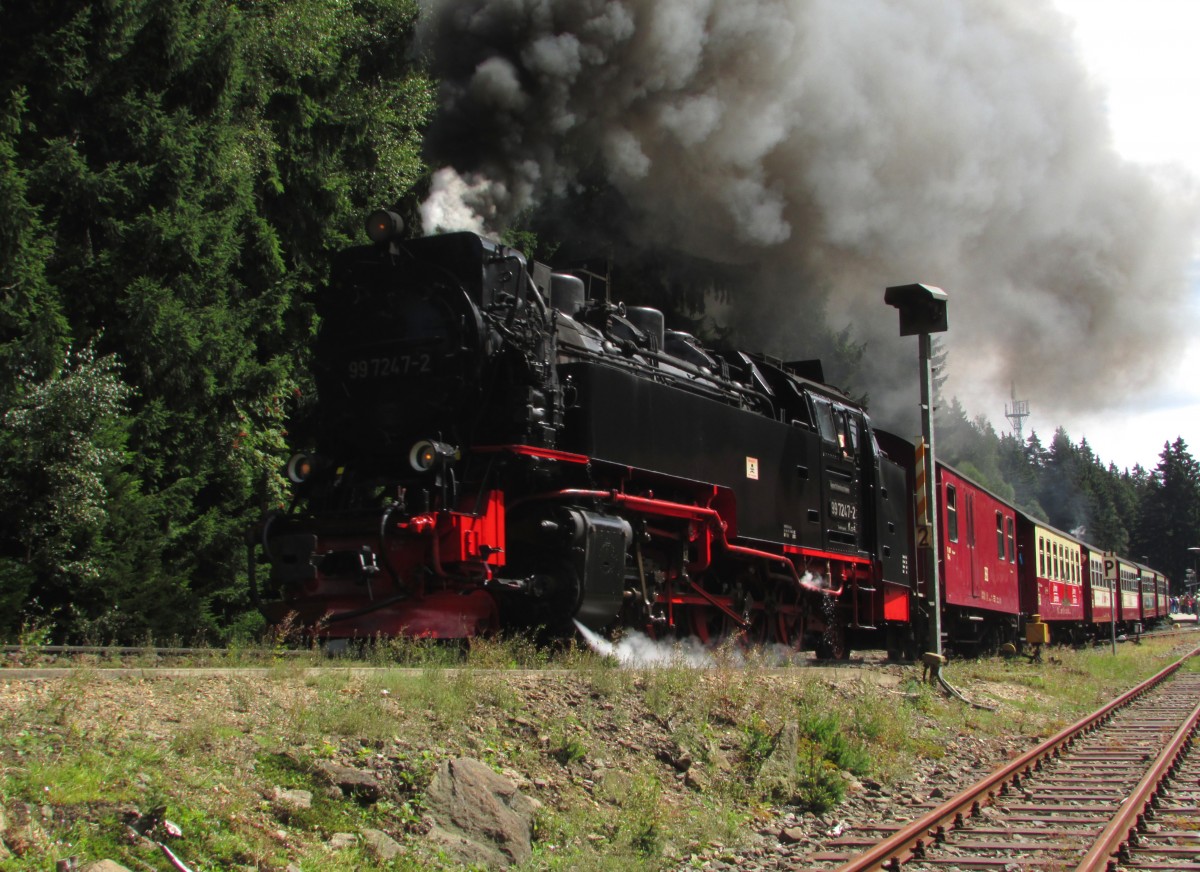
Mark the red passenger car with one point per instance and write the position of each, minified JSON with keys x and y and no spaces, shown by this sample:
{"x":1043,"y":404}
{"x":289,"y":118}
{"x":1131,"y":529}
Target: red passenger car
{"x":1098,"y":594}
{"x":1123,"y":575}
{"x":1154,"y":607}
{"x":980,"y":586}
{"x":1053,"y":578}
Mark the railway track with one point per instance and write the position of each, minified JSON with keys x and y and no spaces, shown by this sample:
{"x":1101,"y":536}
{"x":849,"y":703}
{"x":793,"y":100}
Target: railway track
{"x":1120,"y":789}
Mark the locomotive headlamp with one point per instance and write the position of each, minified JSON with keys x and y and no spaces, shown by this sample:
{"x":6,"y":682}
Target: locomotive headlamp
{"x":427,"y":454}
{"x":299,"y":468}
{"x":384,"y":225}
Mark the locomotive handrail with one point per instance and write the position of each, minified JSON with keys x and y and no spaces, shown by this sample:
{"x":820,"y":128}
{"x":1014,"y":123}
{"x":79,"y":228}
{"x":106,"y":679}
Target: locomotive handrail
{"x":717,"y":386}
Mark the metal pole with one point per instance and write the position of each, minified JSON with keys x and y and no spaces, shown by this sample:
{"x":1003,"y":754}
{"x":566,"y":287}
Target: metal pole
{"x":1113,"y":582}
{"x":932,"y":570}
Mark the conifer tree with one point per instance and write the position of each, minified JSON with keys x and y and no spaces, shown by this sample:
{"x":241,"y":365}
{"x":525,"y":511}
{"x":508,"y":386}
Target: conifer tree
{"x":174,"y":175}
{"x":1169,"y":513}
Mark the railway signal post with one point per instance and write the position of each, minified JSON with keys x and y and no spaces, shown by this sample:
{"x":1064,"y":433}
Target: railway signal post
{"x":922,"y":313}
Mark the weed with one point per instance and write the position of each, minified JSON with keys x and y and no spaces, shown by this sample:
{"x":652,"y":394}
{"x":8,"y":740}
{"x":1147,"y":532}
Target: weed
{"x":825,"y":732}
{"x":566,"y":746}
{"x":35,"y":632}
{"x":201,"y":736}
{"x":819,"y":784}
{"x":758,"y":742}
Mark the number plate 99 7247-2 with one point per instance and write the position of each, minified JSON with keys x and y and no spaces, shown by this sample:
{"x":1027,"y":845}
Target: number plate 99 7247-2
{"x":844,"y":515}
{"x":389,"y":367}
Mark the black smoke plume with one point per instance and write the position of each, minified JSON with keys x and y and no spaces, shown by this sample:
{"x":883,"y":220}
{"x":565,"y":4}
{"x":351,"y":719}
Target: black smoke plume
{"x":832,"y":148}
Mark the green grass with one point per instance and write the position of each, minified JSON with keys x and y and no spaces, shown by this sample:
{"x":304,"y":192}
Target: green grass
{"x":601,"y":743}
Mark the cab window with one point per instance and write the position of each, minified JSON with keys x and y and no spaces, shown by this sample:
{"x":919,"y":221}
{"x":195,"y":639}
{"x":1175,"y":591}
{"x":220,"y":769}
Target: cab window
{"x":825,"y":421}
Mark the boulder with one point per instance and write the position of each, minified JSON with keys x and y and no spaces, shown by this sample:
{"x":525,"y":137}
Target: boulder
{"x":287,"y":802}
{"x":479,"y":816}
{"x":341,"y":841}
{"x":380,"y":845}
{"x":363,"y":786}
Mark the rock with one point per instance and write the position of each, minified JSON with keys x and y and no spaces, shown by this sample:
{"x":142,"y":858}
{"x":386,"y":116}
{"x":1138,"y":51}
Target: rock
{"x":290,"y":801}
{"x":341,"y":841}
{"x":696,"y":780}
{"x":792,"y":835}
{"x":381,"y":845}
{"x":363,"y":786}
{"x":479,"y":816}
{"x":105,"y":866}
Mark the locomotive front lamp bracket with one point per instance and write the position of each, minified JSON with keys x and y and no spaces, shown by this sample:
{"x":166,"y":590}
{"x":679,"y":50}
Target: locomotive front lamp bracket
{"x":922,"y":308}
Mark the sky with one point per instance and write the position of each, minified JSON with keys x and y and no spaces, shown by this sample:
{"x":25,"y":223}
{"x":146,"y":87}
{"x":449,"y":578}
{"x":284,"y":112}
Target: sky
{"x":1146,"y":56}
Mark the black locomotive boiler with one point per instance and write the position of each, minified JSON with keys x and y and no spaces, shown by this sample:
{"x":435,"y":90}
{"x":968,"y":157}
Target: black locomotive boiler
{"x":495,"y":449}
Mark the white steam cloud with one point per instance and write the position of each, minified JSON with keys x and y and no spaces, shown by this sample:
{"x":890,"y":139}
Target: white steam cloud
{"x":637,"y":650}
{"x":839,"y":147}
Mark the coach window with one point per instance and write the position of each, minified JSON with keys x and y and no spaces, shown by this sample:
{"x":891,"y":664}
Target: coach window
{"x":999,"y":536}
{"x":952,"y":512}
{"x":1041,"y":557}
{"x":1012,"y":542}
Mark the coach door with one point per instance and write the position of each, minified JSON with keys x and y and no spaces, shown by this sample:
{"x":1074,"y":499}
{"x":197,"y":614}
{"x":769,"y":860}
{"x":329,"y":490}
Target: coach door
{"x":969,"y":509}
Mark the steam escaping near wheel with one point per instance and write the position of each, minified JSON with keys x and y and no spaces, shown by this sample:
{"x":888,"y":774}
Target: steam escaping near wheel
{"x":638,"y":650}
{"x":816,"y":582}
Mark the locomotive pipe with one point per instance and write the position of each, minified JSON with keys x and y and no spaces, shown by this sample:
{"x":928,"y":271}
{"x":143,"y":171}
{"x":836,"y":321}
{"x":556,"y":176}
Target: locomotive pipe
{"x":356,"y":613}
{"x":694,"y":513}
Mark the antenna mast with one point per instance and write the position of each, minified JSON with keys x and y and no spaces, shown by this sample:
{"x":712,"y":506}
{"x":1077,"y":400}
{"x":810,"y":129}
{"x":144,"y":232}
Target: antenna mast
{"x":1017,"y":413}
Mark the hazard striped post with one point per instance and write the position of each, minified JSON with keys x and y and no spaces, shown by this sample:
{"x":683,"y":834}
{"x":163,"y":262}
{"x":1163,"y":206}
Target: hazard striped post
{"x":922,"y":507}
{"x":928,"y":534}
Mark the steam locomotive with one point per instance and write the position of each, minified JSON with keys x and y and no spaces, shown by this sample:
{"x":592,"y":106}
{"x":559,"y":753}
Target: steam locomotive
{"x":495,"y":447}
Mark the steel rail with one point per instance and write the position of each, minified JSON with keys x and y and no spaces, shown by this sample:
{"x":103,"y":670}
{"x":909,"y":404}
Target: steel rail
{"x":1132,"y":810}
{"x":909,"y":841}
